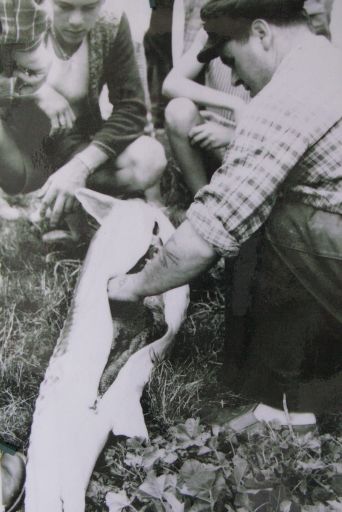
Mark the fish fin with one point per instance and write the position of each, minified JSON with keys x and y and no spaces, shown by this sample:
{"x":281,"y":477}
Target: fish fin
{"x":131,"y":423}
{"x":120,"y":408}
{"x":97,"y":205}
{"x":176,"y":303}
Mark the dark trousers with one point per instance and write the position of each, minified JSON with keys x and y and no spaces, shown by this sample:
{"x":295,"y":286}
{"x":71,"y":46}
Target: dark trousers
{"x":157,"y":44}
{"x":284,"y":317}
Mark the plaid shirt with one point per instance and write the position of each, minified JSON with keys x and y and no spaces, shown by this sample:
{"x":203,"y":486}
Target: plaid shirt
{"x":288,"y":143}
{"x":23,"y":22}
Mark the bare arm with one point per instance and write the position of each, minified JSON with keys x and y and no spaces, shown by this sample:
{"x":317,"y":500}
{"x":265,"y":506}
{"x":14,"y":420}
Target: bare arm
{"x":180,"y":81}
{"x":184,"y":257}
{"x":178,"y":22}
{"x":58,"y":193}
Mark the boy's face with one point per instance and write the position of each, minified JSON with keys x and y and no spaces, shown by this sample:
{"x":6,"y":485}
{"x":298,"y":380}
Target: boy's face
{"x":32,"y":67}
{"x":73,"y":19}
{"x":320,"y":24}
{"x":319,"y":12}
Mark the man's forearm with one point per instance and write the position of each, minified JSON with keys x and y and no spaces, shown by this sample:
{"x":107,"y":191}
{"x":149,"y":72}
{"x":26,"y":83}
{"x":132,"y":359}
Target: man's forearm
{"x":184,"y":257}
{"x":92,"y":157}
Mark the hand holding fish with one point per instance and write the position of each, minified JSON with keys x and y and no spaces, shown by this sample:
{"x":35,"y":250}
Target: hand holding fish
{"x":58,"y":193}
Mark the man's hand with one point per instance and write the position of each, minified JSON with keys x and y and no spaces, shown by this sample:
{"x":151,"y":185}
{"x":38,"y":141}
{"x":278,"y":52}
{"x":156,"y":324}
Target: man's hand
{"x":208,"y":115}
{"x":124,"y":288}
{"x":58,"y":193}
{"x":211,"y":135}
{"x":185,"y":255}
{"x":56,"y":108}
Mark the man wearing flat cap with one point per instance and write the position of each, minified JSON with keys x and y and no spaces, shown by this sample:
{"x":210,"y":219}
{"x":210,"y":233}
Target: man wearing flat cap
{"x":282,"y":176}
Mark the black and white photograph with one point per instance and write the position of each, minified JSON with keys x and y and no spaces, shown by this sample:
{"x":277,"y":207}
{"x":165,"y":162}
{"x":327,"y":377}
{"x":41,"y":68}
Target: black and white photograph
{"x":171,"y":255}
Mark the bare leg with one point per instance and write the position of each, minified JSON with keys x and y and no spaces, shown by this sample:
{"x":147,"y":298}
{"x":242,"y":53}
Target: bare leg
{"x":12,"y":163}
{"x":23,"y":165}
{"x":12,"y":172}
{"x":181,"y":115}
{"x":137,"y":169}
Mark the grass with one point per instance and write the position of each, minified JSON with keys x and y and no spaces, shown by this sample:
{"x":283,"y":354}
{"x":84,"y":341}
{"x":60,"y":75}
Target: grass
{"x":202,"y":470}
{"x":35,"y":292}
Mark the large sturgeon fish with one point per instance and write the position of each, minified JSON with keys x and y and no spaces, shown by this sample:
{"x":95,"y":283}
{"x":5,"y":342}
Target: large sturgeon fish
{"x":71,"y":422}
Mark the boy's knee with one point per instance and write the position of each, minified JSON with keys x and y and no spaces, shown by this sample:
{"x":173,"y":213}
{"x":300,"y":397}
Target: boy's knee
{"x":181,"y":114}
{"x":148,"y":161}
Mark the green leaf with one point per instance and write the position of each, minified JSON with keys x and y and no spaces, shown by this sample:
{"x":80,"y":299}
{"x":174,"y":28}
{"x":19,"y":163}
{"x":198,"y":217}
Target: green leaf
{"x":200,"y":506}
{"x":153,"y":486}
{"x":133,"y":460}
{"x":197,"y":479}
{"x":242,"y":501}
{"x":190,"y":433}
{"x":150,"y":455}
{"x":309,"y":441}
{"x":192,"y":427}
{"x":204,"y":450}
{"x":170,"y":457}
{"x":117,"y":501}
{"x":216,"y":430}
{"x":261,"y":500}
{"x":175,"y":504}
{"x":337,"y":467}
{"x":289,"y":506}
{"x":240,"y":468}
{"x":336,"y":484}
{"x":220,"y":485}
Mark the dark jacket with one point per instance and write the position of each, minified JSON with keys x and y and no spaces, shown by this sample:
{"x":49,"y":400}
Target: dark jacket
{"x":112,"y":62}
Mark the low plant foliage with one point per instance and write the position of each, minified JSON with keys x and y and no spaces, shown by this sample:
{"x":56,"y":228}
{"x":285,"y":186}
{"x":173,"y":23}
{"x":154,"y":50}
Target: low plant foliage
{"x":195,"y":469}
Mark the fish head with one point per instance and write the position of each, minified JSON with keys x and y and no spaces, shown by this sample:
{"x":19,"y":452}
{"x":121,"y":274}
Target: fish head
{"x":96,"y":204}
{"x":125,"y":233}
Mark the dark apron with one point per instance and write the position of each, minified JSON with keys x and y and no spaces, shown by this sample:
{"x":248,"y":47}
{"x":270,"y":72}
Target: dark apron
{"x":284,"y":319}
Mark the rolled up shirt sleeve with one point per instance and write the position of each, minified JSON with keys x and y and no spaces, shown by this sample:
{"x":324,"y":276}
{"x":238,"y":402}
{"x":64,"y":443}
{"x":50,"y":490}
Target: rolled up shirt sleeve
{"x":269,"y":142}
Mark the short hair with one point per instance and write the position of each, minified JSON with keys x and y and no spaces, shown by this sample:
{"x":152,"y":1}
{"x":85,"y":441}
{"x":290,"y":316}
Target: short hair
{"x":231,"y":19}
{"x":241,"y":13}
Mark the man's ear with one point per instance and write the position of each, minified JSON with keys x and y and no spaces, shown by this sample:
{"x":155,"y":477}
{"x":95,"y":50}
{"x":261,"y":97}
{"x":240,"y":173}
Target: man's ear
{"x":261,"y":29}
{"x":97,"y":205}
